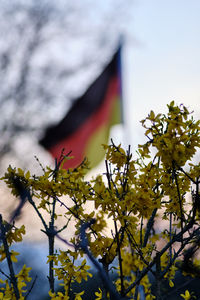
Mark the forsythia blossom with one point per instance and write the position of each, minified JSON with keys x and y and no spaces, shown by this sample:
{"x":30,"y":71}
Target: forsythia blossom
{"x":128,"y":202}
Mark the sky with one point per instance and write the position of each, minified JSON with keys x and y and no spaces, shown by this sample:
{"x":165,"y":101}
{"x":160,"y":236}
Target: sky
{"x":161,"y":61}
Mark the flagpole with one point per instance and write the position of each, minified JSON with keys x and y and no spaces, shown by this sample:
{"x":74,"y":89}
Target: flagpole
{"x":125,"y":140}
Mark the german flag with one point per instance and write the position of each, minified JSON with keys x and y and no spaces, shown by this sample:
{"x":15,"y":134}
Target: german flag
{"x":87,"y":124}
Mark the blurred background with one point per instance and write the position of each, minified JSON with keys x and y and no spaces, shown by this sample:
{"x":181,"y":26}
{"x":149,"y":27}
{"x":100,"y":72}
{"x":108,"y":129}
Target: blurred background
{"x":51,"y":52}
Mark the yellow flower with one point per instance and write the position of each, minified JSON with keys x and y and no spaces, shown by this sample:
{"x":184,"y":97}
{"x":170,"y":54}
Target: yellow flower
{"x":1,"y":296}
{"x":13,"y":255}
{"x":58,"y":296}
{"x":52,"y":258}
{"x":99,"y":295}
{"x":171,"y":284}
{"x":78,"y":296}
{"x":15,"y":234}
{"x":23,"y":274}
{"x":186,"y":296}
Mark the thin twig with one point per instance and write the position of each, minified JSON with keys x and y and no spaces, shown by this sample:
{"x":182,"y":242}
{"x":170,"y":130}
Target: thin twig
{"x":174,"y":239}
{"x":149,"y":227}
{"x":119,"y":258}
{"x":178,"y":288}
{"x":179,"y":196}
{"x":2,"y":272}
{"x":84,"y":246}
{"x":32,"y":285}
{"x":13,"y":278}
{"x":170,"y":236}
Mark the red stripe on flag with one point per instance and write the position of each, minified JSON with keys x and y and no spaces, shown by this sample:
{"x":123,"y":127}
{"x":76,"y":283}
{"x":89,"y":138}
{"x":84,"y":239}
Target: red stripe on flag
{"x":77,"y":142}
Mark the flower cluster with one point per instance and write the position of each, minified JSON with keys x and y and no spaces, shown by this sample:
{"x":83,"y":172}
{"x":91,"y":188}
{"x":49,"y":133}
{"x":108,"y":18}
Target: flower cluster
{"x":7,"y":290}
{"x":132,"y":196}
{"x":68,"y":272}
